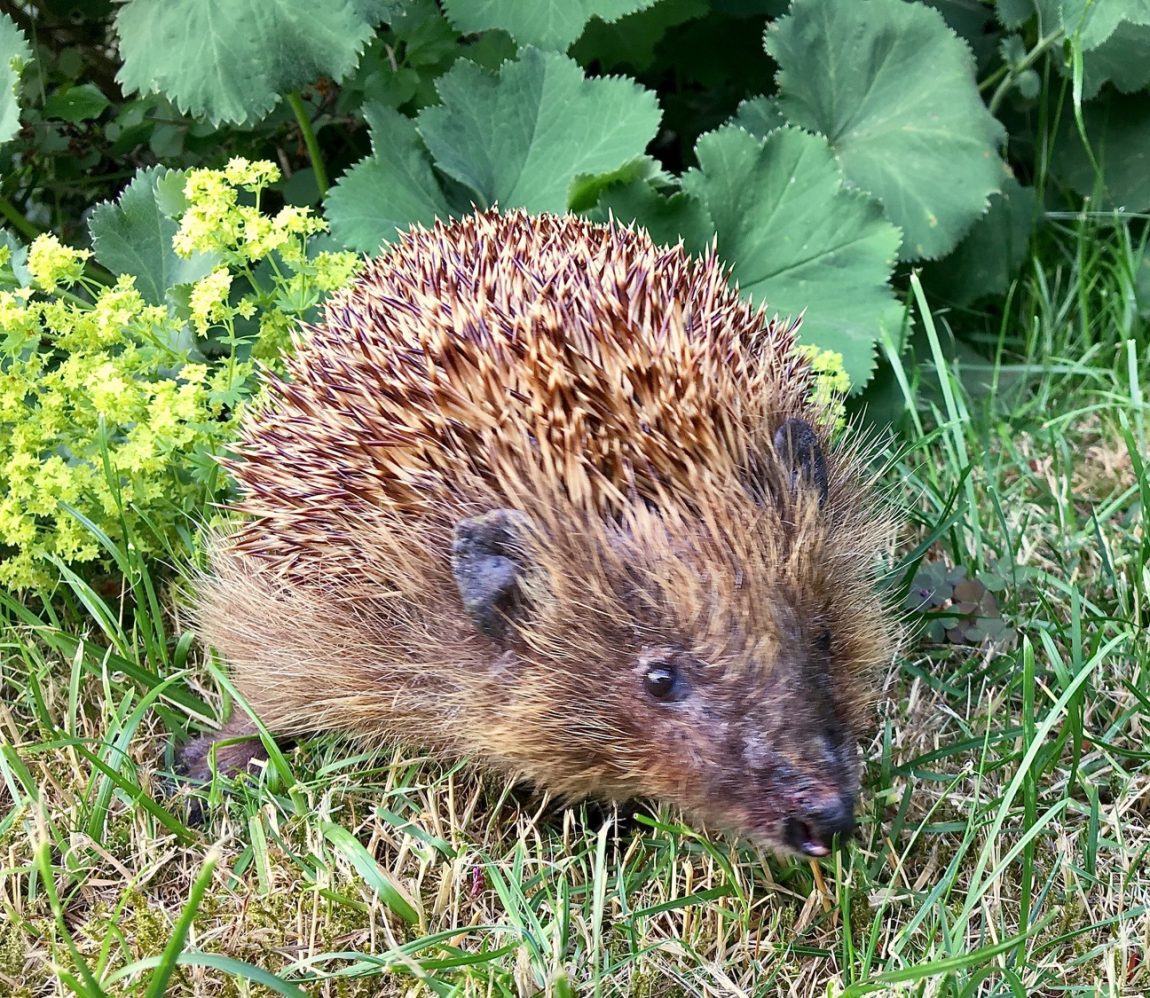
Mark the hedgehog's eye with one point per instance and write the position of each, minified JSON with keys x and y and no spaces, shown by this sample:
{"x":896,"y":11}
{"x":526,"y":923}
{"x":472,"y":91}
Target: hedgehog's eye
{"x":823,"y":641}
{"x":662,"y":681}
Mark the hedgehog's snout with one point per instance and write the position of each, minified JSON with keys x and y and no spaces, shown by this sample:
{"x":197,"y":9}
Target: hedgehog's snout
{"x":803,"y":780}
{"x":826,"y":817}
{"x":822,"y":823}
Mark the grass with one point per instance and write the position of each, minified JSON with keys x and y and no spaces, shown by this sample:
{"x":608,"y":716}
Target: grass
{"x":1004,"y":833}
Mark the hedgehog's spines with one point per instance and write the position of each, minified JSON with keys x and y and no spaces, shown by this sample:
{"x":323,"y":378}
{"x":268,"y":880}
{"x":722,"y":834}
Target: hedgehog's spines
{"x":576,"y":372}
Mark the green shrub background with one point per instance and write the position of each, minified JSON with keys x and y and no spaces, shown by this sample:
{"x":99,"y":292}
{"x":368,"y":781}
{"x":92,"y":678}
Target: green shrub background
{"x":825,"y":147}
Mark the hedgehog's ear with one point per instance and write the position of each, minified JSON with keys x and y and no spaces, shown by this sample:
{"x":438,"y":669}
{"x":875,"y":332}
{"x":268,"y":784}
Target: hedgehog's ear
{"x":798,"y":447}
{"x":487,"y":560}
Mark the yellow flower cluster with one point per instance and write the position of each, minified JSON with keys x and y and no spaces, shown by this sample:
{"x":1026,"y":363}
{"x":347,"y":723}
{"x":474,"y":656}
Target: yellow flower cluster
{"x":53,"y":265}
{"x":209,"y":299}
{"x":88,"y":422}
{"x":107,"y":408}
{"x":831,"y":382}
{"x":216,"y":220}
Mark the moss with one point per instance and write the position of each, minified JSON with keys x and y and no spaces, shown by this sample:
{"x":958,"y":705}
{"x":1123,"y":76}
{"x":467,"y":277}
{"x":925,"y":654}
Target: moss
{"x":648,"y":984}
{"x":146,"y":927}
{"x":13,"y":956}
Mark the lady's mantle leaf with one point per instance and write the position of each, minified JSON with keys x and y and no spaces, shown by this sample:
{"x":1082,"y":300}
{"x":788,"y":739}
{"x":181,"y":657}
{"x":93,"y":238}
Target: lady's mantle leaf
{"x":530,"y":137}
{"x":1118,"y":130}
{"x":522,"y":137}
{"x":229,"y":60}
{"x":1092,"y":22}
{"x":759,"y":115}
{"x":894,"y":92}
{"x":986,"y":261}
{"x":1123,"y":59}
{"x":630,"y":42}
{"x":550,"y":24}
{"x":133,"y":235}
{"x":1114,"y":36}
{"x":390,"y":190}
{"x":798,"y":240}
{"x":666,"y":218}
{"x":14,"y":53}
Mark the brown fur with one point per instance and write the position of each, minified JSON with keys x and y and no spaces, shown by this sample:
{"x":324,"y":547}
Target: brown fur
{"x":624,"y":399}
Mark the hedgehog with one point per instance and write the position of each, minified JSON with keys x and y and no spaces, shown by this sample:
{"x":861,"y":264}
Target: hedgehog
{"x":539,"y":493}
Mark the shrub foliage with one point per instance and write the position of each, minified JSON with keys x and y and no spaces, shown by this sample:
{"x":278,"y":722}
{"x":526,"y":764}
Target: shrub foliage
{"x":826,"y":146}
{"x":114,"y":397}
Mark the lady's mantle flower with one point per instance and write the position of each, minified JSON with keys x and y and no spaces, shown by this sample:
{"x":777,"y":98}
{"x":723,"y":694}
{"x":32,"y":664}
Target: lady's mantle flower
{"x":53,"y":265}
{"x":831,"y":381}
{"x":209,"y":299}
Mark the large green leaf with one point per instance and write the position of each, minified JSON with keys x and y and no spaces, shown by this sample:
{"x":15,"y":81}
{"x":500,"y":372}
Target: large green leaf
{"x":390,"y":190}
{"x":893,"y":90}
{"x":1113,"y":36}
{"x":522,"y":137}
{"x":973,"y":22}
{"x":759,"y":115}
{"x":14,"y":53}
{"x":1118,"y":131}
{"x":1123,"y":59}
{"x":1014,"y":13}
{"x":798,"y":240}
{"x":133,"y":235}
{"x":630,"y":42}
{"x":1092,"y":22}
{"x":988,"y":258}
{"x":229,"y":60}
{"x":550,"y":24}
{"x":1115,"y":39}
{"x":667,"y":218}
{"x":587,"y":188}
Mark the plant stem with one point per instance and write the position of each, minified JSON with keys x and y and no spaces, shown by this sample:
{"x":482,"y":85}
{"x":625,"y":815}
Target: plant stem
{"x":1040,"y":46}
{"x":19,"y":222}
{"x":309,"y":140}
{"x":993,"y":78}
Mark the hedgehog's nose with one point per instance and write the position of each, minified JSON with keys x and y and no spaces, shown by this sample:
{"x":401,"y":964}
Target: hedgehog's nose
{"x":813,"y":830}
{"x":834,"y":817}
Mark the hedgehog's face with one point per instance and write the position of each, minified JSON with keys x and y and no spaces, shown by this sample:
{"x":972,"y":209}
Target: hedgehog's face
{"x":764,"y":750}
{"x":730,"y":684}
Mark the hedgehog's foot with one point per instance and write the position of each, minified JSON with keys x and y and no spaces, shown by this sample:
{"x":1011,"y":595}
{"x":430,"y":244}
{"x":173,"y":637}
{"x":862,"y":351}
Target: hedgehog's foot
{"x":195,"y":760}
